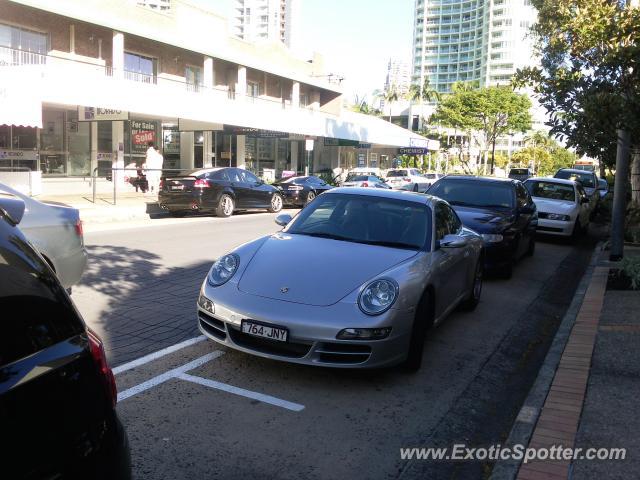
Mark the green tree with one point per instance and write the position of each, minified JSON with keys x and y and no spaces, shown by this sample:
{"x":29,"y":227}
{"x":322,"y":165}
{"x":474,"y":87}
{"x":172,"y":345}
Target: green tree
{"x":360,"y":105}
{"x":493,"y":111}
{"x":589,"y":78}
{"x":391,"y":95}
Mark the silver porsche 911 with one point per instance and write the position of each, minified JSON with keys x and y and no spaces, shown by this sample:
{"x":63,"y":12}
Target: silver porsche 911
{"x":354,"y":280}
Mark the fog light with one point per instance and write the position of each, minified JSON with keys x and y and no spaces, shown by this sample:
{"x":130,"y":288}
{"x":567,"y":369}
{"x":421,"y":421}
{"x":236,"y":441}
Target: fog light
{"x":364,"y":333}
{"x":206,"y":304}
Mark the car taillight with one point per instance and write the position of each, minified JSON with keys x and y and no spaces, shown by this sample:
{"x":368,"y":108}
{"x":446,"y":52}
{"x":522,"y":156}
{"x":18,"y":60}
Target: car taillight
{"x":406,"y":179}
{"x":296,"y":188}
{"x":201,"y":183}
{"x":161,"y":184}
{"x":79,"y":230}
{"x":100,"y":359}
{"x":365,"y":184}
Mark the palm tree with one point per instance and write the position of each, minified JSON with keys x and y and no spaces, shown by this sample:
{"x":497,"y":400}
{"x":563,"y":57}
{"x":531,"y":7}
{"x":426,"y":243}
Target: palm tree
{"x":390,"y":95}
{"x":421,"y":93}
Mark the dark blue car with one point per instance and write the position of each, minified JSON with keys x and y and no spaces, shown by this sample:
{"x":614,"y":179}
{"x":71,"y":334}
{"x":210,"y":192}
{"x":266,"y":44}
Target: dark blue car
{"x":501,"y":210}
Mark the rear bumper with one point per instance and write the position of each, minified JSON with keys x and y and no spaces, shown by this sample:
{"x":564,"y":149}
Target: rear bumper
{"x":186,"y":201}
{"x":293,"y":198}
{"x":498,"y":255}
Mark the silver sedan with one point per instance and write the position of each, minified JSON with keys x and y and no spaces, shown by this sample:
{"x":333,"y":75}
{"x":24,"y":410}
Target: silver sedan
{"x":355,"y":280}
{"x":56,"y":232}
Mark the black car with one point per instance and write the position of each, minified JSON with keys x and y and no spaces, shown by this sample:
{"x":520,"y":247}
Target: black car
{"x":299,"y":191}
{"x":521,"y":174}
{"x":57,"y":392}
{"x":218,"y":190}
{"x":501,"y":210}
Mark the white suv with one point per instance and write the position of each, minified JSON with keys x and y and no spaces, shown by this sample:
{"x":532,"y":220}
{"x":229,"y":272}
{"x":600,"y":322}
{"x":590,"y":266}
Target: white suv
{"x":408,"y":179}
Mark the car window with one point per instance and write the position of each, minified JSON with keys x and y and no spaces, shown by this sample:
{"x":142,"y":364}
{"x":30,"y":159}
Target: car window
{"x":234,"y":175}
{"x":586,"y":178}
{"x":366,"y":219}
{"x":415,"y":172}
{"x":444,"y":224}
{"x":247,"y":176}
{"x":551,"y":190}
{"x":221,"y":175}
{"x":397,"y":173}
{"x":357,"y":178}
{"x":474,"y":193}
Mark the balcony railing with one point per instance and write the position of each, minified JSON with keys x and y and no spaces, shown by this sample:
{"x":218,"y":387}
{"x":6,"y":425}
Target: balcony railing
{"x":86,"y":71}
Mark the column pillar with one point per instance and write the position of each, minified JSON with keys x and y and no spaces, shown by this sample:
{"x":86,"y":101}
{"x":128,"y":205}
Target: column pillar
{"x":186,"y":150}
{"x":207,"y":69}
{"x":315,"y":100}
{"x":117,"y":59}
{"x":240,"y":151}
{"x":241,"y":85}
{"x":117,"y":147}
{"x":295,"y":95}
{"x":93,"y":159}
{"x":207,"y":147}
{"x":294,"y":156}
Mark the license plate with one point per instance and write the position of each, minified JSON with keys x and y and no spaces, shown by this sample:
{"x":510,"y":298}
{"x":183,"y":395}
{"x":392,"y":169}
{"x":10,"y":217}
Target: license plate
{"x":176,"y":187}
{"x":258,"y":330}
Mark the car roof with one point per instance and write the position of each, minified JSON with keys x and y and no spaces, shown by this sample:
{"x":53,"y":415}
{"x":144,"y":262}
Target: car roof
{"x":563,"y":181}
{"x":476,"y":178}
{"x":384,"y":193}
{"x":575,"y":170}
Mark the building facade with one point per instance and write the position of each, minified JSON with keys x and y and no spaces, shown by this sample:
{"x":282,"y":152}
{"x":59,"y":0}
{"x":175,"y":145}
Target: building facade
{"x":399,"y":75}
{"x":158,"y":5}
{"x":482,"y":41}
{"x":86,"y":84}
{"x":275,"y":20}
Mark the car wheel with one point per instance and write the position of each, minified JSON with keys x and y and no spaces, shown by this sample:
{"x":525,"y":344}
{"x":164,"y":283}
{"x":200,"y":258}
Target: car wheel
{"x":423,"y":320}
{"x":472,"y":301}
{"x":276,"y":203}
{"x":310,"y":197}
{"x":532,"y":246}
{"x":225,"y":206}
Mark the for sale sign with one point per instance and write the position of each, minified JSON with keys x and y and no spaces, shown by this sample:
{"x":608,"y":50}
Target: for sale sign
{"x":143,"y":132}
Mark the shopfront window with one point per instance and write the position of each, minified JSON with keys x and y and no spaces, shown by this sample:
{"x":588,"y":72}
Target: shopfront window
{"x":171,"y":145}
{"x":79,"y":142}
{"x":52,"y":142}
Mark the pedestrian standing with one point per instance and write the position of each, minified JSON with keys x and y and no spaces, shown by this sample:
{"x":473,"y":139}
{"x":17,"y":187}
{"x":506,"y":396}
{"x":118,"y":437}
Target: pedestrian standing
{"x":154,"y":162}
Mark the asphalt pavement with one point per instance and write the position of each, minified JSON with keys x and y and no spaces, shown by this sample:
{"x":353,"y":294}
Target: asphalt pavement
{"x":204,"y":411}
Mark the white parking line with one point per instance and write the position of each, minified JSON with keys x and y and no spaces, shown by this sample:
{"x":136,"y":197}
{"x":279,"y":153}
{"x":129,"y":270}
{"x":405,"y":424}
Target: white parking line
{"x":176,"y":372}
{"x":155,"y":355}
{"x":296,"y":407}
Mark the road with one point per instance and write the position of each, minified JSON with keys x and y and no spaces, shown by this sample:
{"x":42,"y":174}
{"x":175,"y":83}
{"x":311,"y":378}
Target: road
{"x":208,"y":412}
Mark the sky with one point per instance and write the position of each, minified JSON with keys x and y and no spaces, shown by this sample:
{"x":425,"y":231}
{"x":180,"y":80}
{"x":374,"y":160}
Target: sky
{"x":356,"y":37}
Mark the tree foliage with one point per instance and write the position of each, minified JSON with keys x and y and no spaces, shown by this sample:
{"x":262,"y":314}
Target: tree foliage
{"x":589,"y":78}
{"x":494,"y":111}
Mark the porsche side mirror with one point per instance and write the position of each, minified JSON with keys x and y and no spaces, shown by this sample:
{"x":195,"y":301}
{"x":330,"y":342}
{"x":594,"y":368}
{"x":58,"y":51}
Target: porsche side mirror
{"x":452,"y":241}
{"x":283,"y":220}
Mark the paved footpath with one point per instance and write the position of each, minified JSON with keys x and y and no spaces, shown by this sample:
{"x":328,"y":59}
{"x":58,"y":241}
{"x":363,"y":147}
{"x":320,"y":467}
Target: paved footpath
{"x":592,"y":398}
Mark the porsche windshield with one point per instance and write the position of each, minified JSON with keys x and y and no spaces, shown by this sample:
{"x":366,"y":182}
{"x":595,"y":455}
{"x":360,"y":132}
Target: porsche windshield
{"x":366,"y":219}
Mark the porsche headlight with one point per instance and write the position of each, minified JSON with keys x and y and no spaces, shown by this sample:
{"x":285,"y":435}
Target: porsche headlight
{"x":223,"y":269}
{"x":378,"y":296}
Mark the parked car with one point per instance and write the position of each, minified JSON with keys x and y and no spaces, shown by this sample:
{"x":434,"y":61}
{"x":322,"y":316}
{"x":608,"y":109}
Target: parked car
{"x":520,"y":174}
{"x":563,"y":206}
{"x":364,"y":181}
{"x":603,"y":188}
{"x":380,"y":267}
{"x":57,"y":392}
{"x":56,"y":232}
{"x":501,"y":210}
{"x":299,"y":191}
{"x":588,"y":179}
{"x":401,"y":177}
{"x":366,"y":171}
{"x":218,"y":190}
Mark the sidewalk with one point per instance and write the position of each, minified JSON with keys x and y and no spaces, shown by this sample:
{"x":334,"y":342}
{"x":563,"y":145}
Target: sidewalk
{"x":590,"y":398}
{"x":129,"y":206}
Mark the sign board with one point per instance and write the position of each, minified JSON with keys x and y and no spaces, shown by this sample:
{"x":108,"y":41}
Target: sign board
{"x":413,"y":151}
{"x":362,"y":160}
{"x":97,"y":114}
{"x":308,"y":144}
{"x":419,"y":142}
{"x":364,"y":145}
{"x":18,"y":155}
{"x":287,"y":174}
{"x":142,"y":132}
{"x":339,"y":142}
{"x":254,"y":132}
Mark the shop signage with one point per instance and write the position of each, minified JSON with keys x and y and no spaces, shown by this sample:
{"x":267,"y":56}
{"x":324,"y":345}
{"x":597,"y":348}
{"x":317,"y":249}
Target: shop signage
{"x":364,"y":145}
{"x":18,"y":155}
{"x":339,"y":142}
{"x":287,"y":174}
{"x":413,"y":151}
{"x":308,"y":144}
{"x":142,"y":132}
{"x":97,"y":114}
{"x":254,"y":132}
{"x":419,"y":142}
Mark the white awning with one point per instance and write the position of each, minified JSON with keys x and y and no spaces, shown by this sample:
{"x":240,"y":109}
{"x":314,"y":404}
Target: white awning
{"x":16,"y":108}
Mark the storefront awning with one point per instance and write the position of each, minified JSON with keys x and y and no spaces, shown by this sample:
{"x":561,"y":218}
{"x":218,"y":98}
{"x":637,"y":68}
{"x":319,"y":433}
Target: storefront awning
{"x":15,"y":107}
